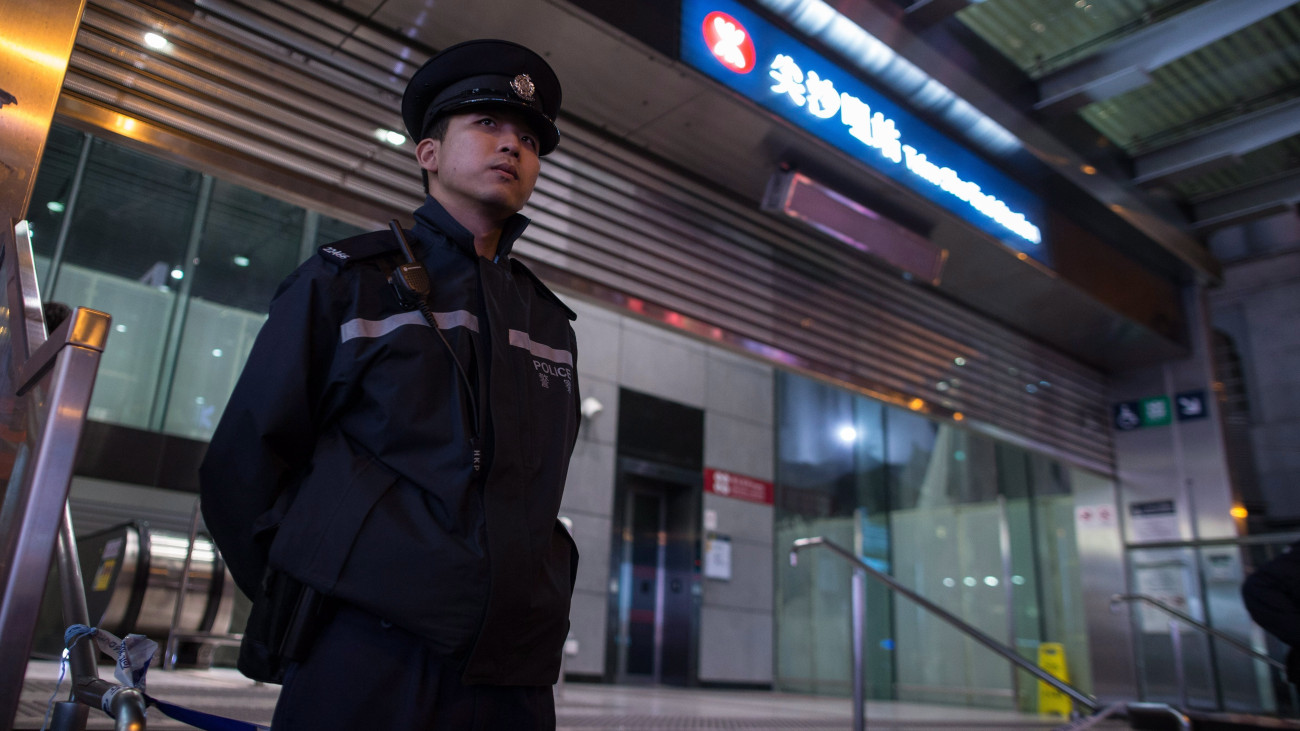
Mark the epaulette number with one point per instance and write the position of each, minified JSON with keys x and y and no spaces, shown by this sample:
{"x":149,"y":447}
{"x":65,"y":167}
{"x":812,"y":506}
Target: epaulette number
{"x":335,"y":253}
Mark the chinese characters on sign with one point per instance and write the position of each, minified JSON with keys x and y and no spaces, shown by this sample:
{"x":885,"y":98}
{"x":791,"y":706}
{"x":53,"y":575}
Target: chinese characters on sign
{"x":729,"y":43}
{"x":740,"y":487}
{"x":820,"y":98}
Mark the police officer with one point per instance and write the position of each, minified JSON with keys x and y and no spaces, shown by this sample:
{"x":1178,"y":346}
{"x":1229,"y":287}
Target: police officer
{"x":386,"y":478}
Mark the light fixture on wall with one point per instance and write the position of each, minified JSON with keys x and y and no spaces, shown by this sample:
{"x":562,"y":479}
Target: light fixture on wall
{"x":590,"y":407}
{"x":798,"y":196}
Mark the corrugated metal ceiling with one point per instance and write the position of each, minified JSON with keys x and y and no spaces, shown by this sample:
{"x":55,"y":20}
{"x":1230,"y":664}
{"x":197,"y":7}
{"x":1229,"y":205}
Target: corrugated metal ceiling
{"x":1041,"y":36}
{"x":1251,"y":70}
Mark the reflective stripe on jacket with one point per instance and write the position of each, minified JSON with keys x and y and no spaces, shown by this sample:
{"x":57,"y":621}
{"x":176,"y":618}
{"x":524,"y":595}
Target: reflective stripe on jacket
{"x":345,"y":456}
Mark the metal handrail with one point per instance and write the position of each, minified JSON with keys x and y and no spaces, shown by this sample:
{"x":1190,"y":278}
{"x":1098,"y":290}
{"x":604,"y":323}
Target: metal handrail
{"x":46,"y":384}
{"x":862,"y":568}
{"x":1191,"y":622}
{"x":962,"y":625}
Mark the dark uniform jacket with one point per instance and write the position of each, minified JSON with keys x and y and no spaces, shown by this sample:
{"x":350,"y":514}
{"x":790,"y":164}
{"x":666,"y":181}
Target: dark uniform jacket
{"x":1272,"y":596}
{"x":346,"y":456}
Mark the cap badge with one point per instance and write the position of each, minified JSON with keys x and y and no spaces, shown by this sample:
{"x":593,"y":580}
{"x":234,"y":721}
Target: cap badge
{"x":523,"y":86}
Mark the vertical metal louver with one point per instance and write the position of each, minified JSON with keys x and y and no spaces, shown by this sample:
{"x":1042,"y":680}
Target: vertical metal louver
{"x":259,"y":84}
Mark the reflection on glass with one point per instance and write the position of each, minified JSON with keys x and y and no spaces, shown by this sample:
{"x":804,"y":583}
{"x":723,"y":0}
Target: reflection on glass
{"x":52,"y":193}
{"x":983,"y":529}
{"x":130,"y":225}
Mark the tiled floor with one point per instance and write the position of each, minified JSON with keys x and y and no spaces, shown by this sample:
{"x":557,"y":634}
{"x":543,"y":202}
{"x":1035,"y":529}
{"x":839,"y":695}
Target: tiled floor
{"x":578,"y":706}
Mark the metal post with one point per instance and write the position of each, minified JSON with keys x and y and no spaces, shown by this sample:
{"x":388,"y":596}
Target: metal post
{"x":81,"y":658}
{"x":181,"y":307}
{"x":859,"y":600}
{"x":37,"y":493}
{"x":1180,"y":675}
{"x":169,"y":653}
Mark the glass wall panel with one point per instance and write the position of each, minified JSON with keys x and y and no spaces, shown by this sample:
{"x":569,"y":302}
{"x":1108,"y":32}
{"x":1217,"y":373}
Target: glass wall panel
{"x":250,"y":243}
{"x":330,"y":230}
{"x":128,"y":369}
{"x":133,"y":215}
{"x":948,"y":541}
{"x":213,"y":351}
{"x":184,"y":311}
{"x":51,"y":195}
{"x":128,"y":231}
{"x":830,"y":482}
{"x":982,"y":528}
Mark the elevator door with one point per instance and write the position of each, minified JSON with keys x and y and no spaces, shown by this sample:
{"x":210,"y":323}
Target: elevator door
{"x":655,"y":584}
{"x":643,"y":586}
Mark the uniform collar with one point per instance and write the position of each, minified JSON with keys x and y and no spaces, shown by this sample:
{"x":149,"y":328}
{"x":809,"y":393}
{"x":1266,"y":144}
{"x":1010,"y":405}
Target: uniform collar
{"x":433,"y":216}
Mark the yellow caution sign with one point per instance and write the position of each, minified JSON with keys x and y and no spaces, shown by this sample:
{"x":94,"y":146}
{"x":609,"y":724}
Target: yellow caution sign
{"x":1051,"y":657}
{"x":104,"y":574}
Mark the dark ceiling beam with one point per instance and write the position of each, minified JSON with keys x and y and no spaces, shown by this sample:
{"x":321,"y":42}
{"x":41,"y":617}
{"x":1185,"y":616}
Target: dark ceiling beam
{"x":1256,"y":201}
{"x":1219,"y":145}
{"x":922,"y":14}
{"x":1125,"y":64}
{"x":1118,"y":196}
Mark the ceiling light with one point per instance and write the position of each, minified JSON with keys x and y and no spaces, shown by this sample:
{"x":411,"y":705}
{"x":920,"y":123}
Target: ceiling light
{"x":55,"y":207}
{"x":155,"y":41}
{"x":847,"y":434}
{"x":396,"y":139}
{"x":178,"y":274}
{"x":241,"y":261}
{"x":216,"y":353}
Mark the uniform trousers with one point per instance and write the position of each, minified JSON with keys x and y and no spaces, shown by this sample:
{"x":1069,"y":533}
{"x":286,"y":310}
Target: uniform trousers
{"x":363,"y":673}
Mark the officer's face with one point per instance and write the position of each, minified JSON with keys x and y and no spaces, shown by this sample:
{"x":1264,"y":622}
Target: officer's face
{"x":486,"y":164}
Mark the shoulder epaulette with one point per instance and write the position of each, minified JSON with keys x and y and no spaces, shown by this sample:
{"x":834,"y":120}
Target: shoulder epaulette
{"x":542,"y":289}
{"x":359,"y":248}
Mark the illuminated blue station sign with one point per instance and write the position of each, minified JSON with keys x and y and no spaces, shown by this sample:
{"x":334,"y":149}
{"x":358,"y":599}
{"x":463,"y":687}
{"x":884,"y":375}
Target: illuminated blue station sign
{"x":735,"y":46}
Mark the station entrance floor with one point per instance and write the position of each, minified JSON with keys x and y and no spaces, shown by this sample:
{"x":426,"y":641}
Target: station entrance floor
{"x":578,"y":706}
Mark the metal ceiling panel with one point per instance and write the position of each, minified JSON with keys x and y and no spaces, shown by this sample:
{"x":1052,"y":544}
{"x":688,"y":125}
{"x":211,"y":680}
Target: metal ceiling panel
{"x":1043,"y":36}
{"x":1249,"y":71}
{"x":612,"y":222}
{"x":1126,"y":63}
{"x":1220,"y":145}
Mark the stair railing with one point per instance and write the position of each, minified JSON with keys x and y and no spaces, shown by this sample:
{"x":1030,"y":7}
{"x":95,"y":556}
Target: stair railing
{"x":1175,"y":637}
{"x":45,"y":389}
{"x":862,"y":570}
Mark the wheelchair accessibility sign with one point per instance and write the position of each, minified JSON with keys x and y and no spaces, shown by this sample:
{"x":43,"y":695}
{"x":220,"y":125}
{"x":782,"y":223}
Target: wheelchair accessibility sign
{"x":1130,"y":415}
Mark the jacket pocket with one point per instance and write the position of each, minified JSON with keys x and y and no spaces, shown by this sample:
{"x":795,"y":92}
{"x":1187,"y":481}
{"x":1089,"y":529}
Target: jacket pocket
{"x":322,"y":524}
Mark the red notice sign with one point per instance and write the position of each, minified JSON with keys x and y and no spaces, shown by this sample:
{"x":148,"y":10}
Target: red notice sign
{"x":730,"y":484}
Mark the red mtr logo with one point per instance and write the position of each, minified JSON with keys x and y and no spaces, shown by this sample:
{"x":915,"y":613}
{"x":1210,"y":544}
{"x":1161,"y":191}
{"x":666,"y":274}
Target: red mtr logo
{"x":729,"y":42}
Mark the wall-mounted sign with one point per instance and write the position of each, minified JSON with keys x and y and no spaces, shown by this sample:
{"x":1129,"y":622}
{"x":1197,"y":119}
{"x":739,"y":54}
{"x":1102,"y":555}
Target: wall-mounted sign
{"x":1191,"y":405}
{"x":1130,"y":415}
{"x":1154,"y":520}
{"x":1095,"y":516}
{"x":740,"y":487}
{"x":735,"y":46}
{"x":1126,"y":416}
{"x":1156,"y":411}
{"x":717,"y":557}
